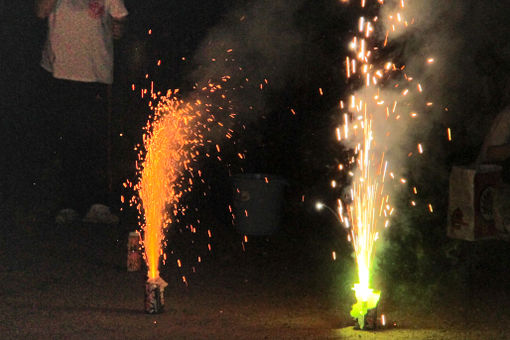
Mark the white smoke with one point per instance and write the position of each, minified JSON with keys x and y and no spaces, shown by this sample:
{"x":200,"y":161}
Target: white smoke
{"x":468,"y":81}
{"x":457,"y":52}
{"x":260,"y":39}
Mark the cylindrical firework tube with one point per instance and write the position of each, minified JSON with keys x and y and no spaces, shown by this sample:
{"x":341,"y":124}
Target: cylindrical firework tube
{"x":371,"y":319}
{"x":368,"y":322}
{"x":134,"y":255}
{"x":154,"y":295}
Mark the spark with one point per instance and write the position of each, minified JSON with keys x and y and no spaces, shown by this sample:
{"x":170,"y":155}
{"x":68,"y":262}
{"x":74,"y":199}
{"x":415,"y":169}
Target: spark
{"x":338,"y":134}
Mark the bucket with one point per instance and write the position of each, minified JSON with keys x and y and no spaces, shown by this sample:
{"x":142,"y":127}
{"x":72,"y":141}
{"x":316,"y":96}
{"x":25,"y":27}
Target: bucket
{"x":257,"y":202}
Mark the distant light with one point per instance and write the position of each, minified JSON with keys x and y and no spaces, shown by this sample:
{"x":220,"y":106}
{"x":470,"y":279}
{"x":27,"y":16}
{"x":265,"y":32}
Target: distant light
{"x":319,"y":206}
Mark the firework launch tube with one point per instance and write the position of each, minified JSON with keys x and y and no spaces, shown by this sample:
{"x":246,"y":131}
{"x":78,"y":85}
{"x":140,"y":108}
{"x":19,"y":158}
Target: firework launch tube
{"x":154,"y":295}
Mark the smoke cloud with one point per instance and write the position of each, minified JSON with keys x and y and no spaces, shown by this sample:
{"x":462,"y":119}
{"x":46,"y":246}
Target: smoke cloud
{"x":464,"y":87}
{"x":253,"y":45}
{"x":468,"y":81}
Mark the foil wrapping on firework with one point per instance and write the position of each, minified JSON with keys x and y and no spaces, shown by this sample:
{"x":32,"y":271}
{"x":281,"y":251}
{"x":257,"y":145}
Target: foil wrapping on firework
{"x":367,"y":322}
{"x":134,"y":254}
{"x":154,"y":295}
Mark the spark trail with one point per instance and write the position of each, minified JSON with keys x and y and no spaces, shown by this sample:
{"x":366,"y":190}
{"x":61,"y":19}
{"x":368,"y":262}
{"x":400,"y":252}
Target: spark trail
{"x":169,"y":144}
{"x":374,"y":123}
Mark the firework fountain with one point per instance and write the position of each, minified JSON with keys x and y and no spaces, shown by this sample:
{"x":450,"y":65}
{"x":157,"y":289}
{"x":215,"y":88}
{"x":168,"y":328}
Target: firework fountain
{"x":167,"y":169}
{"x":178,"y":131}
{"x":374,"y":120}
{"x":169,"y":148}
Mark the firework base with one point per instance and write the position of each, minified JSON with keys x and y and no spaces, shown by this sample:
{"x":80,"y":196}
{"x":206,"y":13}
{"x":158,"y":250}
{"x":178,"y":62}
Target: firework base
{"x":369,"y":321}
{"x":154,"y":296}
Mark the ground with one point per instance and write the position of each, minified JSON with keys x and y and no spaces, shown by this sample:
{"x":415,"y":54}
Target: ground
{"x":73,"y":284}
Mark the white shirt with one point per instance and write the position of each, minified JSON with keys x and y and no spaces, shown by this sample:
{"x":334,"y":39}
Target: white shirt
{"x":79,"y":46}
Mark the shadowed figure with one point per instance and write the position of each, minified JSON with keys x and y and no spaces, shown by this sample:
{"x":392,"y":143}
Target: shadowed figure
{"x":77,"y":62}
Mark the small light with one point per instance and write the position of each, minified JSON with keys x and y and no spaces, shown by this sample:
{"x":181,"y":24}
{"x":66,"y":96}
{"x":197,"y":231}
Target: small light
{"x":319,"y":206}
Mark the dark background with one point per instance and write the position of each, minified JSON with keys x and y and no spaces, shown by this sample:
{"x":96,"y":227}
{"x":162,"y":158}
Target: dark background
{"x":419,"y":262}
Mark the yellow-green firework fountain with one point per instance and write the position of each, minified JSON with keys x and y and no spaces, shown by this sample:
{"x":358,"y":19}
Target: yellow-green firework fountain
{"x":372,"y":122}
{"x":368,"y":204}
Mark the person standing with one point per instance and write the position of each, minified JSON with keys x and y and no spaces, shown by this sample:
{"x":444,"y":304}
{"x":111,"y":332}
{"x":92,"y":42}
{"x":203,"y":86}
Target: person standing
{"x":77,"y":59}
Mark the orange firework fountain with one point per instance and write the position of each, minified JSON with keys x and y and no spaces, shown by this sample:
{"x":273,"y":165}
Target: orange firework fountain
{"x":169,"y":142}
{"x":166,"y":171}
{"x":370,"y":119}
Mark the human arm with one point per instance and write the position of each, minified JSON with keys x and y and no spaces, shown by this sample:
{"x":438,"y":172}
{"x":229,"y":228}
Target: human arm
{"x":118,"y":13}
{"x":118,"y":27}
{"x":43,"y":8}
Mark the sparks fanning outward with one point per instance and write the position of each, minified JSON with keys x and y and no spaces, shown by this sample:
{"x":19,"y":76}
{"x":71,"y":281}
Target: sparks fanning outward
{"x":371,"y":119}
{"x":167,"y":163}
{"x":168,"y":142}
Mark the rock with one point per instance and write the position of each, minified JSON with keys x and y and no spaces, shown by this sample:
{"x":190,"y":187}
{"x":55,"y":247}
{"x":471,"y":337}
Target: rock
{"x":101,"y":214}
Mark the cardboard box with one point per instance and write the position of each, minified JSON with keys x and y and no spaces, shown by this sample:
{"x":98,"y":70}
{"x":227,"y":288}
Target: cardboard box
{"x":471,"y":202}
